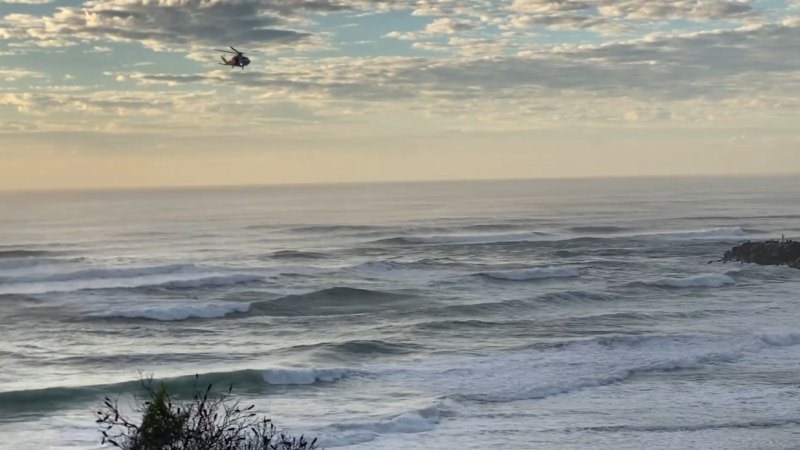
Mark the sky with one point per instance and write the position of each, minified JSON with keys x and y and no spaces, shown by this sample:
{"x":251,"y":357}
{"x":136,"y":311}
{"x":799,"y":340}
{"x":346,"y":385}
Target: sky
{"x":124,"y":93}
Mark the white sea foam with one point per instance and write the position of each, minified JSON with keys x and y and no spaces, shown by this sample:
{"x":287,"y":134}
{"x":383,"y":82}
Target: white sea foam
{"x":533,"y":374}
{"x":706,"y":280}
{"x":780,"y":339}
{"x":302,"y":376}
{"x":176,"y":312}
{"x":357,"y":432}
{"x":536,"y":273}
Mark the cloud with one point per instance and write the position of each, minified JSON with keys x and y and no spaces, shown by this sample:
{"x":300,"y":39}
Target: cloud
{"x":564,"y":21}
{"x":25,"y":2}
{"x":677,"y":9}
{"x":448,"y":26}
{"x":164,"y":24}
{"x":713,"y":78}
{"x":700,"y":10}
{"x":7,"y":74}
{"x":487,"y":73}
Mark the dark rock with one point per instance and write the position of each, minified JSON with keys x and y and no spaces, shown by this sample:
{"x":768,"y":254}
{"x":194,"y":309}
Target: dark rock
{"x":783,"y":252}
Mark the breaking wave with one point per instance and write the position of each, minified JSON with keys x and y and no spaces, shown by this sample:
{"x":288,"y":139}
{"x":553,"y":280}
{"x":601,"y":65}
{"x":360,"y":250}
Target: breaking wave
{"x":168,"y":313}
{"x":55,"y":397}
{"x":288,"y":377}
{"x":578,"y":365}
{"x":357,"y":432}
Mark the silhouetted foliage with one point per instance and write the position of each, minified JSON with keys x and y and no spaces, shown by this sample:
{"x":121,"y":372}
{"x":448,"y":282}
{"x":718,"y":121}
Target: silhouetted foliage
{"x":206,"y":422}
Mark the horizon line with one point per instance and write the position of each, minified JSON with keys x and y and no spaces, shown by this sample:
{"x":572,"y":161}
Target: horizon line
{"x":190,"y":187}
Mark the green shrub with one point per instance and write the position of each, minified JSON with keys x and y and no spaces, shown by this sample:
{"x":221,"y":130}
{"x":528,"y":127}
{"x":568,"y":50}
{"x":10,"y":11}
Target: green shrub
{"x":206,"y":422}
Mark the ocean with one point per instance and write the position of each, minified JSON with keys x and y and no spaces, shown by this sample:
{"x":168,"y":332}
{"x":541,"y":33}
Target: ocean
{"x":548,"y":314}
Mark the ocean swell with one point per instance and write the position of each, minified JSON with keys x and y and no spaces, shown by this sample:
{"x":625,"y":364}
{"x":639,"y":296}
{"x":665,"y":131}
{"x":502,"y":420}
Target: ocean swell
{"x":467,"y":239}
{"x":101,"y":274}
{"x":537,"y":273}
{"x":51,"y":398}
{"x":331,"y":301}
{"x":707,"y":280}
{"x":170,"y":281}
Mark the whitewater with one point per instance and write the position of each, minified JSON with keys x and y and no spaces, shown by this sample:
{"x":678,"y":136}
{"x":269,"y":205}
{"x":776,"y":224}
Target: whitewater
{"x":550,"y":314}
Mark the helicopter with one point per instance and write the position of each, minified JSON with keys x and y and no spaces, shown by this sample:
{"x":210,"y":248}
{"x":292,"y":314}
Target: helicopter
{"x":238,"y":60}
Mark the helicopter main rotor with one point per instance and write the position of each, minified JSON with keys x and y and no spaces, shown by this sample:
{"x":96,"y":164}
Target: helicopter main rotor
{"x":229,"y":51}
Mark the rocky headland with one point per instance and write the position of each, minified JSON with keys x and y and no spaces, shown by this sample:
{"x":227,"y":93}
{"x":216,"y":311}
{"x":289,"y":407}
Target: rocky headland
{"x":774,"y":253}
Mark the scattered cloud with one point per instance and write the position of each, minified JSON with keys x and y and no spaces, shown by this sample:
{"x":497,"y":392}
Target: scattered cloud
{"x":10,"y":74}
{"x":25,"y":2}
{"x":473,"y":61}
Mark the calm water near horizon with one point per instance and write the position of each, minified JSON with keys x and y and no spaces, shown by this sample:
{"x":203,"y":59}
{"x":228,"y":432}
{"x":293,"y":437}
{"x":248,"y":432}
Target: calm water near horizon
{"x":541,"y":314}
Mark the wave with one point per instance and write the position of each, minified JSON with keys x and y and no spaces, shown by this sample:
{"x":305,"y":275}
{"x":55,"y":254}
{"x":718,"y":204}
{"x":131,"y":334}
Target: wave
{"x":599,"y":229}
{"x":423,"y":263}
{"x":369,"y":348}
{"x":297,"y":254}
{"x":516,"y":306}
{"x":575,"y":233}
{"x":247,"y":379}
{"x":320,"y":229}
{"x":476,"y":309}
{"x":23,"y":253}
{"x":101,"y":273}
{"x":768,"y":216}
{"x":767,"y":423}
{"x":474,"y":324}
{"x":489,"y":227}
{"x":12,"y":265}
{"x":721,"y":233}
{"x":168,"y":313}
{"x":289,"y":377}
{"x":778,"y":339}
{"x":537,"y":273}
{"x":499,"y":377}
{"x":576,"y":365}
{"x":427,"y":267}
{"x":575,"y":296}
{"x":208,"y":281}
{"x":331,"y":301}
{"x":467,"y":239}
{"x":385,"y":266}
{"x":175,"y":281}
{"x":358,"y":432}
{"x":707,"y":280}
